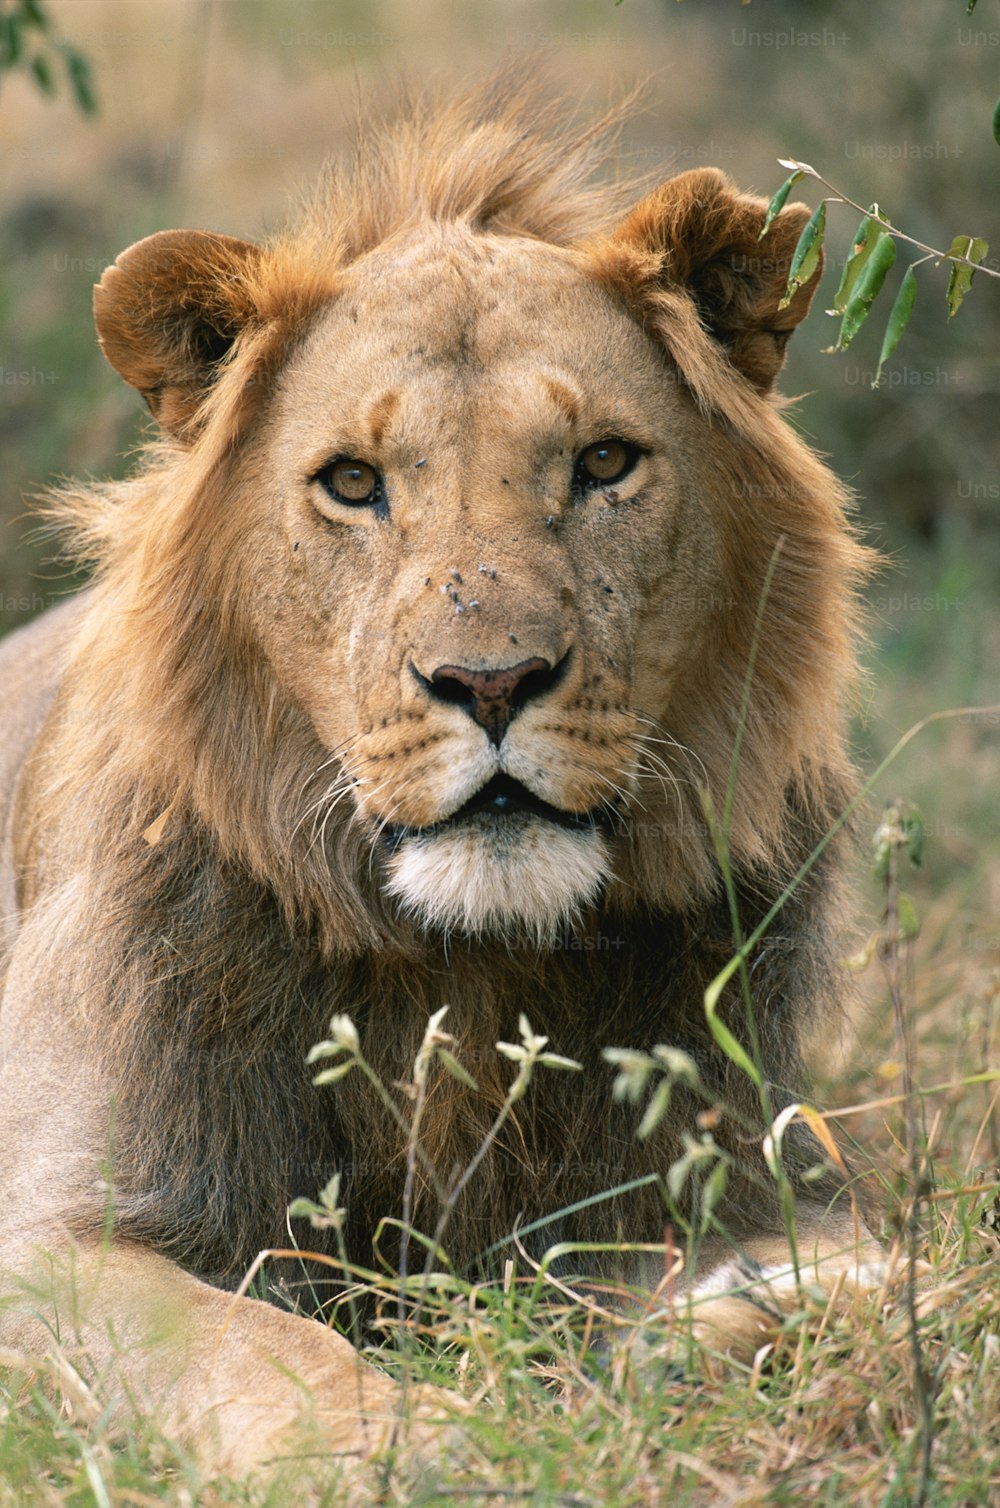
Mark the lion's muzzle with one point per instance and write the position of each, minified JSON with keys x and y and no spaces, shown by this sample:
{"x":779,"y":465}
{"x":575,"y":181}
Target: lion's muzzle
{"x":493,"y":697}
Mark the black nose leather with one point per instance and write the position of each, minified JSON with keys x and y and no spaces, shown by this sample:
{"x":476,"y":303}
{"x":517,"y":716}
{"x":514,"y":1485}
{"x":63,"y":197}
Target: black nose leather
{"x":492,"y":698}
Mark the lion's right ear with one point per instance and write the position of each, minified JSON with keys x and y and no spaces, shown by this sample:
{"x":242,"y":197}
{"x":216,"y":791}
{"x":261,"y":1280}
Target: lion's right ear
{"x":167,"y":313}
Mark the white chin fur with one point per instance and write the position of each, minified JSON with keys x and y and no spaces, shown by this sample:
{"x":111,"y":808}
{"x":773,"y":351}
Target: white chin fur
{"x":480,"y":879}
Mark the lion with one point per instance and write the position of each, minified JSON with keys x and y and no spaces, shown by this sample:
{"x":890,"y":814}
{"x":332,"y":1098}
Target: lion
{"x":472,"y":544}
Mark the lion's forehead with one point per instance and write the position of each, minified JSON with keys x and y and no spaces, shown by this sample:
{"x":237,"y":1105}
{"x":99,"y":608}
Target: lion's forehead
{"x":457,"y":315}
{"x":469,"y":281}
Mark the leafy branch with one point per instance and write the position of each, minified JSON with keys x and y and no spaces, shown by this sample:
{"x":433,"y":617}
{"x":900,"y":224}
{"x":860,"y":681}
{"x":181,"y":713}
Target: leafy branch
{"x":872,"y":255}
{"x":29,"y":41}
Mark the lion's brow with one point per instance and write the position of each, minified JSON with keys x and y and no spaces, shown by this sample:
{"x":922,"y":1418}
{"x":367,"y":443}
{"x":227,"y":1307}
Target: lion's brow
{"x":380,"y":415}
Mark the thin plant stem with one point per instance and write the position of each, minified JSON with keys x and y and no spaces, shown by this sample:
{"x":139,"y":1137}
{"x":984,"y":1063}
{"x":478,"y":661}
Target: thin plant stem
{"x":721,"y":840}
{"x":806,"y":867}
{"x":896,"y":956}
{"x":887,"y":225}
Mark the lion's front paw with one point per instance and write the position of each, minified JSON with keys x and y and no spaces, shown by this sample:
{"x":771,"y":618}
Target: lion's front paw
{"x":744,"y":1304}
{"x":348,"y":1427}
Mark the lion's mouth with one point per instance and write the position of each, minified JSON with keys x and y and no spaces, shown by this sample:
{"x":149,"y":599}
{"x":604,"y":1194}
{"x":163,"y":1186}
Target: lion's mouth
{"x":502,"y":799}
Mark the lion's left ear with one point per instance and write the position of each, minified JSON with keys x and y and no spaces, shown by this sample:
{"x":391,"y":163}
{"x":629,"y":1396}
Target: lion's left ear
{"x":705,"y":236}
{"x":168,"y":311}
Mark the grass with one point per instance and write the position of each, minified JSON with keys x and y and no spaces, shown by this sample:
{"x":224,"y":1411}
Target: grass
{"x":834,"y":1419}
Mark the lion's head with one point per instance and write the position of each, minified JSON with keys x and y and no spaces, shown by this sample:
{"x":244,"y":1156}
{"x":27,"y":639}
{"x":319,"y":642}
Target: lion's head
{"x":436,"y":601}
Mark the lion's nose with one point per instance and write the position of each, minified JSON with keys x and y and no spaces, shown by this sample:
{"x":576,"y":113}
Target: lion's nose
{"x":492,"y":698}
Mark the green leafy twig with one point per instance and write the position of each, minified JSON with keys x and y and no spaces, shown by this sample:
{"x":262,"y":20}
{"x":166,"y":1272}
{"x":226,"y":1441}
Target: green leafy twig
{"x":801,"y":169}
{"x":872,"y":256}
{"x":29,"y":42}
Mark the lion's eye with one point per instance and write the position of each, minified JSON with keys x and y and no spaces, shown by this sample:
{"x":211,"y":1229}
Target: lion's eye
{"x":607,"y":461}
{"x":351,"y":482}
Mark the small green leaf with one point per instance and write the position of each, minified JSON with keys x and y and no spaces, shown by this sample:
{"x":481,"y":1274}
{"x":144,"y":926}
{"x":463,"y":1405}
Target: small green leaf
{"x":11,"y":45}
{"x":913,"y":830}
{"x":455,"y":1068}
{"x":860,"y":960}
{"x":33,"y":15}
{"x":996,"y":122}
{"x":973,"y":248}
{"x":712,"y":1193}
{"x":866,"y":289}
{"x":777,"y":204}
{"x":805,"y":258}
{"x":42,"y":71}
{"x":657,"y":1108}
{"x":334,"y":1075}
{"x":909,"y":922}
{"x":80,"y":81}
{"x":959,"y":283}
{"x":553,"y":1060}
{"x":899,"y":318}
{"x":864,"y":243}
{"x":327,"y":1214}
{"x":303,"y":1209}
{"x":323,"y":1050}
{"x":734,"y":1050}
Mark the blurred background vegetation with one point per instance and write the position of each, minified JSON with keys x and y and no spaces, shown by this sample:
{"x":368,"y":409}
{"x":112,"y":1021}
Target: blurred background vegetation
{"x":214,"y":113}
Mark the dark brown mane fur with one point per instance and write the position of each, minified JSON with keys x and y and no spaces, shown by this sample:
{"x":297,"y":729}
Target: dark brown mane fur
{"x":218,"y":1127}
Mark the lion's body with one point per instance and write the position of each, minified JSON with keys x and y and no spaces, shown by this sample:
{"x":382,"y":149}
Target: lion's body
{"x":238,"y":762}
